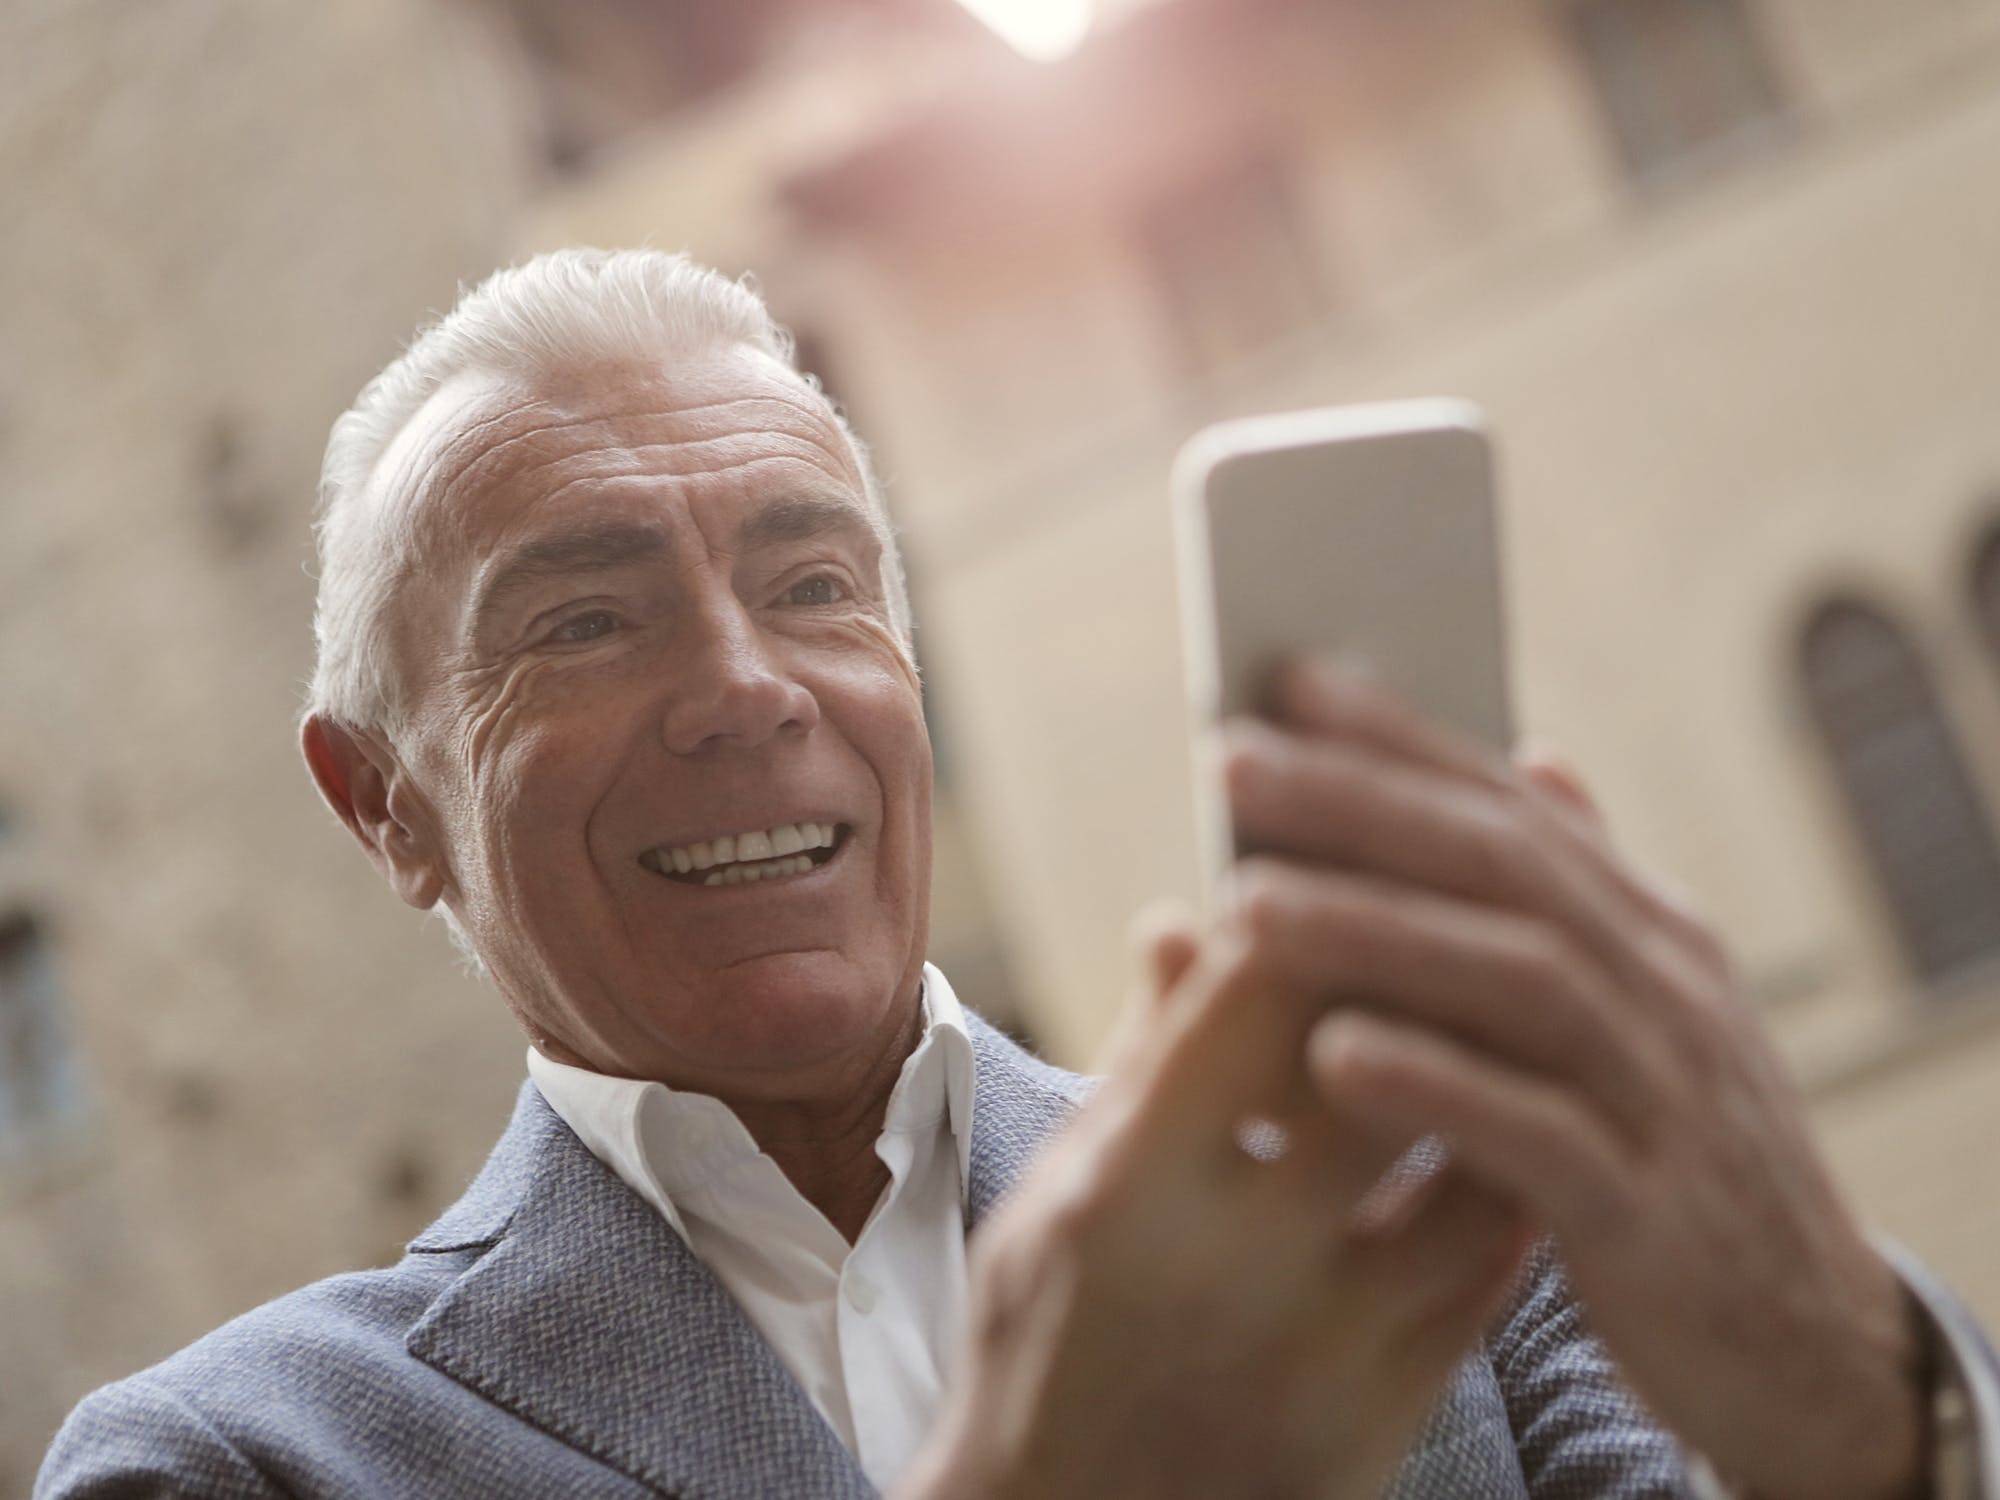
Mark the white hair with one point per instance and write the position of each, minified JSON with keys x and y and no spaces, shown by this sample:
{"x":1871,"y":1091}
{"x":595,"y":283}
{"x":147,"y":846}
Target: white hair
{"x":552,"y":312}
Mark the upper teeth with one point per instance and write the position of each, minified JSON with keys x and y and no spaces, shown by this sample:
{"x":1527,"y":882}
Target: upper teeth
{"x":734,"y":848}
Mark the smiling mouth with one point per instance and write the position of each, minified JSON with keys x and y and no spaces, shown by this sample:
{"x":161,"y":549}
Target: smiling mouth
{"x":781,"y":853}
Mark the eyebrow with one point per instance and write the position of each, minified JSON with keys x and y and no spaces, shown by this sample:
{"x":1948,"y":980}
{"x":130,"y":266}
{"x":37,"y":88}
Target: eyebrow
{"x":601,"y":546}
{"x":593,"y":548}
{"x":799,"y":518}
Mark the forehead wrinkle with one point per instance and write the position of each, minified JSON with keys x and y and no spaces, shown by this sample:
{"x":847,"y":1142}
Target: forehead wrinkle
{"x":475,"y":465}
{"x":863,"y":517}
{"x":805,"y":451}
{"x":486,"y":457}
{"x":814,"y":416}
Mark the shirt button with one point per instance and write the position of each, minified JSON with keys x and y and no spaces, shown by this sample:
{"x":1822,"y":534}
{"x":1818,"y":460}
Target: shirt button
{"x":861,"y":1292}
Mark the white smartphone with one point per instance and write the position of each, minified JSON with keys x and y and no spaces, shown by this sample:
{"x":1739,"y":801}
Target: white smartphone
{"x":1366,"y":531}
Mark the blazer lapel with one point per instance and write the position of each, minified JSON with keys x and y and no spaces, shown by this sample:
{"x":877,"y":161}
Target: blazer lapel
{"x":1019,"y":1103}
{"x":587,"y":1315}
{"x":590,"y":1318}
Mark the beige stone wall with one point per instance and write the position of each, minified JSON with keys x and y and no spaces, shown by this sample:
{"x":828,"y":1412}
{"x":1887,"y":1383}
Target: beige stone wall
{"x":221,"y":218}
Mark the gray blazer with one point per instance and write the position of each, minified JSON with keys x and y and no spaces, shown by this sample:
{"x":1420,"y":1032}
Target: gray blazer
{"x":550,"y":1335}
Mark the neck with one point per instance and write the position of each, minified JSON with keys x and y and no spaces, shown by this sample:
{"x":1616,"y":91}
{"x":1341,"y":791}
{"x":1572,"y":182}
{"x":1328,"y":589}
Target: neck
{"x":828,"y":1151}
{"x":824,"y":1145}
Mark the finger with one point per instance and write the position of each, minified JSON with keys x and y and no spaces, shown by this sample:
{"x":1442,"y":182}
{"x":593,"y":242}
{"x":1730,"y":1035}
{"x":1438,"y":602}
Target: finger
{"x":1231,"y":1048}
{"x":1452,"y":1220}
{"x":1125,"y":1043}
{"x":1318,"y":693}
{"x":1334,"y":1161}
{"x":1512,"y":986}
{"x":1433,"y":1282}
{"x":1164,"y":940}
{"x":1168,"y":942}
{"x":1522,"y":1136}
{"x":1561,"y":786}
{"x":1334,"y":803}
{"x":1550,"y":773}
{"x":1451,"y":1327}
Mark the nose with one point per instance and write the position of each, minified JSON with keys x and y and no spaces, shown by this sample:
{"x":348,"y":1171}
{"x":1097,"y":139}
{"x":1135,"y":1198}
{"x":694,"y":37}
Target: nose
{"x":730,"y":693}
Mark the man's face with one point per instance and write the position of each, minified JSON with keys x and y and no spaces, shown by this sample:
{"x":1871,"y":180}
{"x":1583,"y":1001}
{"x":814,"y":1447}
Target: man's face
{"x":648,"y":617}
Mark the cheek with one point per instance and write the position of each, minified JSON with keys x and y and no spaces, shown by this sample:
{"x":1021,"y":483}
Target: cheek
{"x":497,"y":706}
{"x":887,"y":727}
{"x":532,"y":747}
{"x":887,"y":708}
{"x":867,"y":636}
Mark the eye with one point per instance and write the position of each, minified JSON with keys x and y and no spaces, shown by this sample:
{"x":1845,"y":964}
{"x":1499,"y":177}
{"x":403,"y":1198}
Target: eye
{"x":821,"y":588}
{"x":585,"y":627}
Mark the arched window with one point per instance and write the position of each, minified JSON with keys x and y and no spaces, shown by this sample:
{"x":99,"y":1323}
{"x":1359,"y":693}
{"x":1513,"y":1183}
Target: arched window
{"x":39,"y":1088}
{"x":1986,"y":586}
{"x":1678,"y":79}
{"x":1927,"y":833}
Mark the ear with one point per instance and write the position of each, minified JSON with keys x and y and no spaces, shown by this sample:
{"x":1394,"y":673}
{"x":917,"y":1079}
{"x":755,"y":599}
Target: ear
{"x":368,"y":790}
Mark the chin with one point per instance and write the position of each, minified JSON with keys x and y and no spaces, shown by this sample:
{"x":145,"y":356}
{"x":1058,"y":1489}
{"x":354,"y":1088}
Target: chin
{"x":788,"y":1010}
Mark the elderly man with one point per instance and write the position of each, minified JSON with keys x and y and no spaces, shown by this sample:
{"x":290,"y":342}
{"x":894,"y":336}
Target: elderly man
{"x":614,"y":667}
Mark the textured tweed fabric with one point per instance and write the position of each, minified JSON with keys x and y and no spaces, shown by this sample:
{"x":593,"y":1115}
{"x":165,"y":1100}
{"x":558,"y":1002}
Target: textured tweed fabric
{"x":550,"y":1335}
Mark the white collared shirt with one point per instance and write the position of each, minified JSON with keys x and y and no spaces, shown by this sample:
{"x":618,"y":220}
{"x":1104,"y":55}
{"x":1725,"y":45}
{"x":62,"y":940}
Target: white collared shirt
{"x":868,"y":1331}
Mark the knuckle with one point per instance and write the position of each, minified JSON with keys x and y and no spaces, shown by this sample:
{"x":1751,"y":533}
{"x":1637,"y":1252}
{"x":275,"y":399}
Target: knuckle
{"x":1544,"y":824}
{"x":1657,"y":1093}
{"x":1546,"y":961}
{"x":1498,"y":848}
{"x":1238,"y":964}
{"x":1605,"y":1207}
{"x":1705,"y":1041}
{"x":1373,"y":937}
{"x":1513,"y":790}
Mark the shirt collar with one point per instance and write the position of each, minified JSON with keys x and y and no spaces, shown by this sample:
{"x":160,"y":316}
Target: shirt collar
{"x":945,"y":1031}
{"x":666,"y":1142}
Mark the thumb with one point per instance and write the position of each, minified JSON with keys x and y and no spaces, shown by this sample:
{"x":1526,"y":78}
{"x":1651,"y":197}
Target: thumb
{"x":1163,"y":937}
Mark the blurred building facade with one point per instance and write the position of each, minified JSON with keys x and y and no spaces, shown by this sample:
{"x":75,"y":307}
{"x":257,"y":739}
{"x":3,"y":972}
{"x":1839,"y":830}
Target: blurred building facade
{"x":1721,"y":271}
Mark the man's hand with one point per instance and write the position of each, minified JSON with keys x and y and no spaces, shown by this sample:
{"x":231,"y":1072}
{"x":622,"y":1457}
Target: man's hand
{"x":1578,"y":1037}
{"x":1158,"y":1313}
